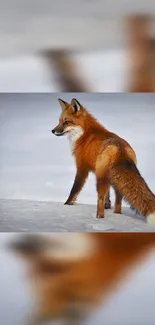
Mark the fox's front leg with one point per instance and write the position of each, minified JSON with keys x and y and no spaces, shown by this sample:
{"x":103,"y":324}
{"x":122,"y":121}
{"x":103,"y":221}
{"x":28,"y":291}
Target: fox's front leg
{"x":79,"y":182}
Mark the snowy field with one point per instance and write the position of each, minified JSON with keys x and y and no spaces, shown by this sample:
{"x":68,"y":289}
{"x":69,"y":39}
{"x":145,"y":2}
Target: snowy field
{"x":38,"y":167}
{"x":131,"y":303}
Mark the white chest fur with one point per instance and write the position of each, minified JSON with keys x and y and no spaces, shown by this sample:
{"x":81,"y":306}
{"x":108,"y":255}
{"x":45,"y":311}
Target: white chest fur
{"x":69,"y":246}
{"x":74,"y":134}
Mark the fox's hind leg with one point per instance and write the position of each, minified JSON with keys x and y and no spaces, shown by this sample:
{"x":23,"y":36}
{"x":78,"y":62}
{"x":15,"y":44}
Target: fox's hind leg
{"x":118,"y":202}
{"x":107,"y":203}
{"x":102,"y":189}
{"x":103,"y":182}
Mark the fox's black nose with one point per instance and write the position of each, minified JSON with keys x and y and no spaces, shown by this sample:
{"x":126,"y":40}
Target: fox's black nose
{"x":53,"y":131}
{"x":26,"y":244}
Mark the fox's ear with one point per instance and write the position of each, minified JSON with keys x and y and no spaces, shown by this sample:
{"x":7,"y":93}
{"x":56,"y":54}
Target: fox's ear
{"x":76,"y":105}
{"x":62,"y":103}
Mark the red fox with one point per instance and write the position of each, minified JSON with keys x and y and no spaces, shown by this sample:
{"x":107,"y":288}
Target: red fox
{"x":71,"y":273}
{"x":107,"y":155}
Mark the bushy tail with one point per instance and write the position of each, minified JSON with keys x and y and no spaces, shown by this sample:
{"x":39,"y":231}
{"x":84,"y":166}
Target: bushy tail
{"x":127,"y":179}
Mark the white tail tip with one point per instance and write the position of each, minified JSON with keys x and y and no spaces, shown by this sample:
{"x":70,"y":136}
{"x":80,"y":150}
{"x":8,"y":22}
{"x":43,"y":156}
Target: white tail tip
{"x":151,"y":219}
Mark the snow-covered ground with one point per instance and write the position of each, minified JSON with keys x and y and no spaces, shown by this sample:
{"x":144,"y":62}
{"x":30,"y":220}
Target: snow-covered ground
{"x":131,"y":303}
{"x":37,"y":166}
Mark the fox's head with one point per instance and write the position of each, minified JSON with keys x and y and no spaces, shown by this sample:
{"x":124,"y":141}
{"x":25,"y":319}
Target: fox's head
{"x":72,"y":119}
{"x":53,"y":252}
{"x":60,"y":247}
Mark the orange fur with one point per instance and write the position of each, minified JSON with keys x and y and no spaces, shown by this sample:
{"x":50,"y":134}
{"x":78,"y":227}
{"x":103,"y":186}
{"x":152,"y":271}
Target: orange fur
{"x":107,"y":155}
{"x":61,"y":285}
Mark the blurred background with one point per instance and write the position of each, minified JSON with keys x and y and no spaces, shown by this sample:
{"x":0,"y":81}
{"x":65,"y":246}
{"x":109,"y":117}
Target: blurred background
{"x":132,"y":302}
{"x":85,"y":45}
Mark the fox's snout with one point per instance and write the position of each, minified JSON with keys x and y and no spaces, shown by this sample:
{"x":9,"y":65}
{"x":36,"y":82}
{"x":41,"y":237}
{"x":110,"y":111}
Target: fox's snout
{"x":53,"y":131}
{"x":27,"y":245}
{"x":58,"y":130}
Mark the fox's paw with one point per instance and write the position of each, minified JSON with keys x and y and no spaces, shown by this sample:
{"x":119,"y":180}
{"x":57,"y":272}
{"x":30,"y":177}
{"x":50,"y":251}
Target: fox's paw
{"x":69,"y":203}
{"x":151,"y":219}
{"x":100,"y":216}
{"x":117,"y":211}
{"x":107,"y":205}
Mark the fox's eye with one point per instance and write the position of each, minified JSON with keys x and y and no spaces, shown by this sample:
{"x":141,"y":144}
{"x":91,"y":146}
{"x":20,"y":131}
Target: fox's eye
{"x":66,"y":122}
